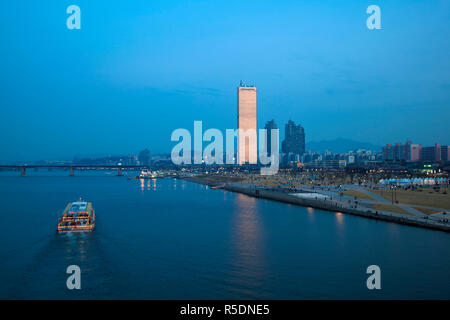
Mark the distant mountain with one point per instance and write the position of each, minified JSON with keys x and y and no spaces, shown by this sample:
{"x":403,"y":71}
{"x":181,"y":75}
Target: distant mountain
{"x":340,"y":145}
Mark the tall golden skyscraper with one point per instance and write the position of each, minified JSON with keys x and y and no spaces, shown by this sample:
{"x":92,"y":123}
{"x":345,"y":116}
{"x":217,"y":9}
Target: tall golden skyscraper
{"x":247,"y":140}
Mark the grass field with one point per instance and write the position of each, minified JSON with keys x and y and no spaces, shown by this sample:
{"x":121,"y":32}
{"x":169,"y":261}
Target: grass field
{"x":389,"y":207}
{"x":358,"y":194}
{"x":423,"y":198}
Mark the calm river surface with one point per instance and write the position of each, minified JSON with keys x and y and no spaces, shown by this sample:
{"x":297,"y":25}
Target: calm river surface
{"x":172,"y":239}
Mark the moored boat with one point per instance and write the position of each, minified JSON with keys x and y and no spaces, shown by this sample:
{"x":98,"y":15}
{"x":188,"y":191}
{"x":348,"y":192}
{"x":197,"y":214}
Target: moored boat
{"x":78,"y":216}
{"x":146,"y":174}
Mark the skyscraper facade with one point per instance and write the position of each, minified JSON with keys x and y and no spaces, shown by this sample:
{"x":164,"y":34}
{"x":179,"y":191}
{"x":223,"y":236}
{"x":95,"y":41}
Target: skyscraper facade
{"x":414,"y":152}
{"x":247,"y":151}
{"x":388,"y":152}
{"x":293,"y":144}
{"x":445,"y":153}
{"x":432,"y":153}
{"x":269,"y":126}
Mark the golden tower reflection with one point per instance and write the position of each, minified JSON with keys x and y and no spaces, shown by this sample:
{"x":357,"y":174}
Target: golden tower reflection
{"x":248,"y":241}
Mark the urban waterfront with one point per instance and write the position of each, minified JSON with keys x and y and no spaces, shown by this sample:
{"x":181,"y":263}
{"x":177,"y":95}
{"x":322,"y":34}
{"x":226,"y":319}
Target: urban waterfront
{"x":174,"y":239}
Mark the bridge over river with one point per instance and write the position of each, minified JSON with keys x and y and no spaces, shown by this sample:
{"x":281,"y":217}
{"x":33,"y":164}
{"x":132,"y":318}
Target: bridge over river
{"x":72,"y":167}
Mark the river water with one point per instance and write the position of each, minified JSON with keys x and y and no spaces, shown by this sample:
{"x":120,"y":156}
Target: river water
{"x":173,"y":239}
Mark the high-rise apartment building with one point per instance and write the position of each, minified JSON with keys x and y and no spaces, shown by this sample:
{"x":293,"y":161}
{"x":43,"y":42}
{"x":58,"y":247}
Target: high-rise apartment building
{"x":399,"y":152}
{"x":144,"y":157}
{"x":247,"y":143}
{"x":445,"y":153}
{"x":414,"y":152}
{"x":432,"y":153}
{"x":294,"y":140}
{"x":388,"y":152}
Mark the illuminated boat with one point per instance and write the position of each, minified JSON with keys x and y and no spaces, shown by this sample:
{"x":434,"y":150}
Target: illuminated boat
{"x":146,"y":174}
{"x":78,"y":216}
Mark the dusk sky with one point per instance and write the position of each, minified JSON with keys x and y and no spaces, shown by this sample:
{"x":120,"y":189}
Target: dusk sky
{"x":137,"y":70}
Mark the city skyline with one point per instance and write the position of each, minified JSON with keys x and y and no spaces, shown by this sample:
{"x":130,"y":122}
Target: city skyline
{"x":292,"y":152}
{"x":111,"y":89}
{"x":409,"y":151}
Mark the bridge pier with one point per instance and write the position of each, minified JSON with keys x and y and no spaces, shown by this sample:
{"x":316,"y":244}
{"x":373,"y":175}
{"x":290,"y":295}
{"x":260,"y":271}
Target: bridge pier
{"x":119,"y":172}
{"x":23,"y":171}
{"x":72,"y":172}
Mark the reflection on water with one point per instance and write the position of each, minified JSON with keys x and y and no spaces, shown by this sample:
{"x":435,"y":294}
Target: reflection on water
{"x":340,"y":225}
{"x":249,"y":265}
{"x":148,"y":184}
{"x":339,"y":218}
{"x":310,"y":211}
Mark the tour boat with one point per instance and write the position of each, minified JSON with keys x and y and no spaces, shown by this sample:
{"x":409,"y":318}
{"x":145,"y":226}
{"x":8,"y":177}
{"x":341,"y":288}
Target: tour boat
{"x":78,"y":216}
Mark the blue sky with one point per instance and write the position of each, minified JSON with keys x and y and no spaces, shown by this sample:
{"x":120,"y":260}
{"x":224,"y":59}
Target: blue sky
{"x":137,"y":70}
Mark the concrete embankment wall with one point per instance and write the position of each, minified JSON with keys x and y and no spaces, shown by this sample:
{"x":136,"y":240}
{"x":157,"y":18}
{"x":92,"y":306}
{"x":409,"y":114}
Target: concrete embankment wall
{"x":324,"y":205}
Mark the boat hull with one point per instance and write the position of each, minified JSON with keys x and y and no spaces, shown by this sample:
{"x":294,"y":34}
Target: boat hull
{"x":75,"y":231}
{"x":77,"y":217}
